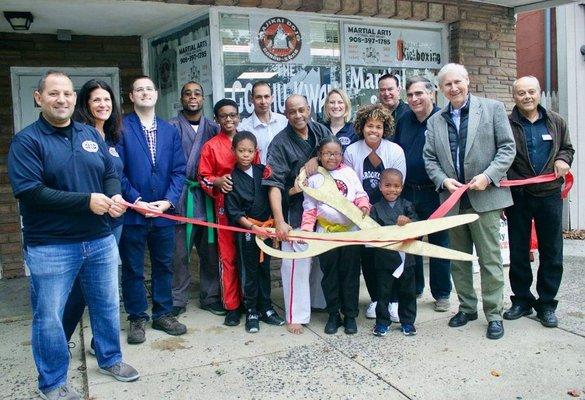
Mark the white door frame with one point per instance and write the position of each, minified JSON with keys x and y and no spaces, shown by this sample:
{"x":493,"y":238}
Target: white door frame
{"x":16,"y":72}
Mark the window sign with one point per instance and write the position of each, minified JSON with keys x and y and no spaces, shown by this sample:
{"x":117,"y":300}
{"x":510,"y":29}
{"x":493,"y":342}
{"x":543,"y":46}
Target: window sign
{"x":176,"y":57}
{"x":193,"y":63}
{"x":394,"y":47}
{"x":311,"y":75}
{"x":279,"y":39}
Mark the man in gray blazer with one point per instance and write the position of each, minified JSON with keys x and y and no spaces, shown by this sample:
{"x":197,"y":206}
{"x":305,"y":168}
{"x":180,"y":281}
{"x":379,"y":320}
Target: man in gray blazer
{"x":470,"y":141}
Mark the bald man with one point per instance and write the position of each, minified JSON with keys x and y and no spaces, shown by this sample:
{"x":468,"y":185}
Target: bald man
{"x":290,"y":150}
{"x":543,"y":146}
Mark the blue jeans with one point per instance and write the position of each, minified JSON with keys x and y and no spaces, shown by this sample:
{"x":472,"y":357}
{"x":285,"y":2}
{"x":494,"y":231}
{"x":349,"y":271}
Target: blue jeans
{"x":53,"y":270}
{"x":161,"y":243}
{"x":75,"y":305}
{"x":426,"y":200}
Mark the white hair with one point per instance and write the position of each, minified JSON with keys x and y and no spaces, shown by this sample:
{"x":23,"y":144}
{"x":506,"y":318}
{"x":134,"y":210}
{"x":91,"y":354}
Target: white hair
{"x":529,"y":77}
{"x":452,"y":68}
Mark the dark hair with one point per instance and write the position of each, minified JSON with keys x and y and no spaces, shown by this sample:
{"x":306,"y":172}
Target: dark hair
{"x":82,"y":113}
{"x":429,"y":87}
{"x":192,"y":83}
{"x":328,"y":139}
{"x":260,"y":83}
{"x":389,"y":76}
{"x":374,"y":111}
{"x":142,"y":77}
{"x":243,"y":135}
{"x":42,"y":81}
{"x":391,"y":171}
{"x":223,"y":103}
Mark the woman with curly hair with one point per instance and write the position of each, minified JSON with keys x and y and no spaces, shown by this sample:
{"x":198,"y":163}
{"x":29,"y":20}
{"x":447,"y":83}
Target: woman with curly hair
{"x":369,"y":156}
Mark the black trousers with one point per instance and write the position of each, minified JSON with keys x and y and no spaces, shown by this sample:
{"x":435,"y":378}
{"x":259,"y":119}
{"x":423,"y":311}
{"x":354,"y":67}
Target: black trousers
{"x":386,"y":262}
{"x":369,"y":273}
{"x":254,"y":275}
{"x":341,"y":279}
{"x":547,"y":213}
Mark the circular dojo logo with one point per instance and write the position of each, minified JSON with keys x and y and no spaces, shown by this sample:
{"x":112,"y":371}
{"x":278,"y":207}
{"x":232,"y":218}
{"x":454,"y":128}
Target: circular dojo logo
{"x":90,"y":146}
{"x":280,"y":39}
{"x":113,"y":152}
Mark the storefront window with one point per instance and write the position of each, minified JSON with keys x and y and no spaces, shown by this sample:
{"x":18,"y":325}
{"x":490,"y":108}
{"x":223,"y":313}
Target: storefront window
{"x":371,"y":51}
{"x":177,"y":57}
{"x":294,"y":55}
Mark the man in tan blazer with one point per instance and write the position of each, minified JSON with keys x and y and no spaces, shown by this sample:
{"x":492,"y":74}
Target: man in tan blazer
{"x":470,"y":141}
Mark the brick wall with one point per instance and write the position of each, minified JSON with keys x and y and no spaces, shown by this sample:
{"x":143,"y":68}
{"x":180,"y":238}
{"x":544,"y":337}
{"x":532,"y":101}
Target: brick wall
{"x":21,"y":50}
{"x":481,"y":36}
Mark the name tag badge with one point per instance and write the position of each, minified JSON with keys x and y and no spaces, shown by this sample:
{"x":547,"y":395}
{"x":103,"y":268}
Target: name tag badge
{"x":546,"y":137}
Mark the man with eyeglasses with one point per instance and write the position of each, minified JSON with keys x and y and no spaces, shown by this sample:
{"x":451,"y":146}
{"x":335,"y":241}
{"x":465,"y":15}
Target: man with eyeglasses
{"x":195,"y":130}
{"x":153,"y":178}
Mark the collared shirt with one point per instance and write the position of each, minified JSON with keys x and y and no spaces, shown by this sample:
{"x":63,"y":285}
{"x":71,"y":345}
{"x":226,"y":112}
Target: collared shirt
{"x":346,"y":134}
{"x":150,"y":134}
{"x":42,"y":156}
{"x":456,"y":118}
{"x":538,"y":141}
{"x":456,"y":113}
{"x":264,"y":132}
{"x":410,"y":135}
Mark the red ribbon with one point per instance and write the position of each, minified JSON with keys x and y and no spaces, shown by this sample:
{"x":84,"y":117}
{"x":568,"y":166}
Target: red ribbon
{"x":439,"y":212}
{"x":456,"y":195}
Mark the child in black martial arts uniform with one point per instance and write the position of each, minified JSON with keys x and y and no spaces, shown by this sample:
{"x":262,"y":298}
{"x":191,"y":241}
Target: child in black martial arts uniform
{"x":247,"y":206}
{"x":394,"y":269}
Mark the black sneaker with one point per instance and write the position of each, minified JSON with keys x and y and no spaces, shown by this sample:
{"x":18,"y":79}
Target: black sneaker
{"x":232,"y":318}
{"x":136,"y":333}
{"x":333,"y":323}
{"x":271,"y":317}
{"x":169,"y":325}
{"x":252,"y":322}
{"x":214,"y":308}
{"x":178,"y":310}
{"x":350,"y":326}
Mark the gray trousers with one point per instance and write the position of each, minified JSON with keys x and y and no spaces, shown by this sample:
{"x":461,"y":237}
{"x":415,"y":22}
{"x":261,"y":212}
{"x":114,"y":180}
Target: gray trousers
{"x":208,"y":267}
{"x":485,"y":235}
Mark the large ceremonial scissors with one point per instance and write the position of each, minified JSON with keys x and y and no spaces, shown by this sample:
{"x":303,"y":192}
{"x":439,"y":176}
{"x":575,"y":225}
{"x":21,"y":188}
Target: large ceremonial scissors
{"x":399,"y":238}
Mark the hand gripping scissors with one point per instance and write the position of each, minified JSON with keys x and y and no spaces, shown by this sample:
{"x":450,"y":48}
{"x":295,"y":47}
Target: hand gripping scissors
{"x":399,"y":238}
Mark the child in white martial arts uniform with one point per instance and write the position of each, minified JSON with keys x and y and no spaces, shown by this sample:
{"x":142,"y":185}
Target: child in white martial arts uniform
{"x":340,"y":266}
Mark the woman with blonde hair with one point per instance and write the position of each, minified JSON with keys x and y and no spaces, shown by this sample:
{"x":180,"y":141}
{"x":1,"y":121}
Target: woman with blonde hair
{"x":337,"y":114}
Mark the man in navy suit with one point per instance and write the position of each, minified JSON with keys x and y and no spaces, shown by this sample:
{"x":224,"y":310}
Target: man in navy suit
{"x":153,"y":178}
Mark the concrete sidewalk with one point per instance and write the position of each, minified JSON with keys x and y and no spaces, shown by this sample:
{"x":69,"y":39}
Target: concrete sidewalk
{"x":215,"y":361}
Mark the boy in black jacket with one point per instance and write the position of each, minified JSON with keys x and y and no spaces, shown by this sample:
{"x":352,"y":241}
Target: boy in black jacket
{"x":247,"y":206}
{"x":394,"y":269}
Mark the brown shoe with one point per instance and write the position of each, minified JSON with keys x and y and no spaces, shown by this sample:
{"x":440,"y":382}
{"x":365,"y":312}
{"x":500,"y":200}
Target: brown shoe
{"x":169,"y":325}
{"x":442,"y":305}
{"x":136,"y":333}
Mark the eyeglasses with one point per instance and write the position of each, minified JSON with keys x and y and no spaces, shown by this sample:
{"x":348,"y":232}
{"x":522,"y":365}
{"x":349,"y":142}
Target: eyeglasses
{"x":144,"y":89}
{"x":224,"y":117}
{"x":330,"y":155}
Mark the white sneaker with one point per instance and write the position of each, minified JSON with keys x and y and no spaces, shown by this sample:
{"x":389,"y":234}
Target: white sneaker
{"x":371,"y":310}
{"x":393,"y":310}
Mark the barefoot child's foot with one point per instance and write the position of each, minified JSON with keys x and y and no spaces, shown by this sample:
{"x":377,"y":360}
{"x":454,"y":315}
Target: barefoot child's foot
{"x":296,"y":329}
